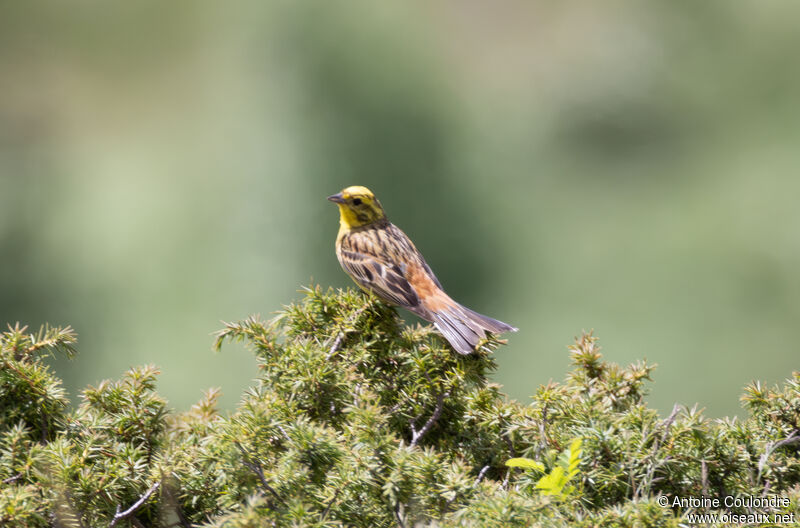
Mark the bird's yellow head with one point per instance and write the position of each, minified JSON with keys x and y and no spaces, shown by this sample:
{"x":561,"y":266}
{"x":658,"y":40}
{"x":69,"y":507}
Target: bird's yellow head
{"x":358,"y":207}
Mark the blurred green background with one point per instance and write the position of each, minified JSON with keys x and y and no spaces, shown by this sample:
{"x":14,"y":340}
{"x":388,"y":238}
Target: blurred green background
{"x":628,"y":167}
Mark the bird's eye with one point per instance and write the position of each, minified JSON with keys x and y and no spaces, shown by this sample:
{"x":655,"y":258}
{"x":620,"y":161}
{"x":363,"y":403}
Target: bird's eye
{"x":357,"y":201}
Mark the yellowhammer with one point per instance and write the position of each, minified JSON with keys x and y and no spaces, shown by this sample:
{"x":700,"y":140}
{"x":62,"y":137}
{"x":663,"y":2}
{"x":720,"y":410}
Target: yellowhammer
{"x":380,"y":258}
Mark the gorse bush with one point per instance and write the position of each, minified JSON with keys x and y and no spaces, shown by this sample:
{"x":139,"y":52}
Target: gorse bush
{"x":358,"y":420}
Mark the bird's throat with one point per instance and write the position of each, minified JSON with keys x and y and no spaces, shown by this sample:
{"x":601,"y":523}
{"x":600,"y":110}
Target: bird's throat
{"x":348,"y":218}
{"x":351,"y":219}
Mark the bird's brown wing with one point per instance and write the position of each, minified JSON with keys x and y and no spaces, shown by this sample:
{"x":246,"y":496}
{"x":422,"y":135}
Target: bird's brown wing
{"x":375,"y":272}
{"x":385,"y":261}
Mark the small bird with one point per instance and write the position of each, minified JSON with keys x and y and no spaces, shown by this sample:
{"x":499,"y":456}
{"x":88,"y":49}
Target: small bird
{"x":380,"y":258}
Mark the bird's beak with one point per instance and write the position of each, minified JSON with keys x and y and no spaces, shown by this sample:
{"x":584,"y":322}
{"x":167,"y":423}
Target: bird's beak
{"x":336,"y":198}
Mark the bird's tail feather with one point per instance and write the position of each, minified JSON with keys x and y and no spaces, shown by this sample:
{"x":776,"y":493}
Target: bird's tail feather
{"x":464,"y":329}
{"x":492,"y":325}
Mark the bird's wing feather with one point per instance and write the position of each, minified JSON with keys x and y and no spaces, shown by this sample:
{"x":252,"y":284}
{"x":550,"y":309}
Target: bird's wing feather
{"x":374,"y":273}
{"x":430,"y":273}
{"x":406,"y":247}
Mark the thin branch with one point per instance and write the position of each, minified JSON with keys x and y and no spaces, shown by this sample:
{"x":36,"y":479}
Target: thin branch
{"x":340,"y":336}
{"x":510,"y":445}
{"x":32,"y":384}
{"x":9,"y":480}
{"x":330,"y":503}
{"x":766,"y":489}
{"x":136,"y":505}
{"x":416,"y":436}
{"x":542,"y":444}
{"x":396,"y":407}
{"x":335,"y":346}
{"x":666,"y":424}
{"x":481,"y":475}
{"x":284,"y":433}
{"x":255,"y":467}
{"x":791,"y":439}
{"x":649,"y":477}
{"x":704,"y":477}
{"x":61,"y":339}
{"x":398,"y":516}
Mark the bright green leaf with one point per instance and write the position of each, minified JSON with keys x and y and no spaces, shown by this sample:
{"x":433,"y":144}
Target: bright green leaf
{"x":525,"y":463}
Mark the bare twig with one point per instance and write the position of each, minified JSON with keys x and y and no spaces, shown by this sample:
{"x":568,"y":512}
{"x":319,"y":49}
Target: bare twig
{"x":416,"y":436}
{"x":283,"y":432}
{"x":791,"y":439}
{"x":330,"y":503}
{"x":666,"y":424}
{"x":510,"y":445}
{"x":399,"y":515}
{"x":766,"y":489}
{"x":13,"y":478}
{"x":649,"y":477}
{"x":255,"y":467}
{"x":340,"y":336}
{"x":136,"y":505}
{"x":542,"y":444}
{"x":335,"y":346}
{"x":772,"y":446}
{"x":482,"y":474}
{"x":704,"y":477}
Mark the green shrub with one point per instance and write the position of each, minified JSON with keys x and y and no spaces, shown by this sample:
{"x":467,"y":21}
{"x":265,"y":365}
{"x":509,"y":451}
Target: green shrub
{"x":358,"y":420}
